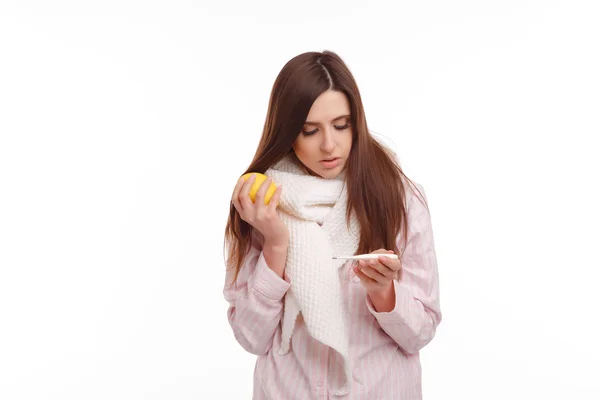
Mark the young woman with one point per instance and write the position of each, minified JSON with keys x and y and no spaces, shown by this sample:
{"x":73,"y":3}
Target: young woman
{"x":324,"y":327}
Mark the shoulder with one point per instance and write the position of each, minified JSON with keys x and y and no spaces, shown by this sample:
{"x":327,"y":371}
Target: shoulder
{"x":415,"y":200}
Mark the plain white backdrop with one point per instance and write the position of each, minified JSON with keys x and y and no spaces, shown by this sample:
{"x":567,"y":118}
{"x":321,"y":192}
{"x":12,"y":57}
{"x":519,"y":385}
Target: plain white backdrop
{"x":123,"y":128}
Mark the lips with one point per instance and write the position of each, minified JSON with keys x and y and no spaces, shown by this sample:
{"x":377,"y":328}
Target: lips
{"x":330,"y":163}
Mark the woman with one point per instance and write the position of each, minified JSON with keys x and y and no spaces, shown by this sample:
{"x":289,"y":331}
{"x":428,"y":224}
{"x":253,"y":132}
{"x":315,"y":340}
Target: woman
{"x":325,"y":327}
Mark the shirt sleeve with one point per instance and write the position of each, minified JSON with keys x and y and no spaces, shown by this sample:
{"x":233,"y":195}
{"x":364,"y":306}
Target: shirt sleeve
{"x":255,"y":302}
{"x":416,"y":314}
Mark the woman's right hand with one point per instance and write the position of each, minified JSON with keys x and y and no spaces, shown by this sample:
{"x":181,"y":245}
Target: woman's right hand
{"x":262,"y":217}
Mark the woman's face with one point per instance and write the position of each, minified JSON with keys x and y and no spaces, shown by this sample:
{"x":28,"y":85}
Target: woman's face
{"x":324,"y":144}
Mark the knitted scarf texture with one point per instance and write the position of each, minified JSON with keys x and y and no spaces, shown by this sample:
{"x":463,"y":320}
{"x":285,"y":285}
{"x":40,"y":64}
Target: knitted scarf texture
{"x":314,"y":211}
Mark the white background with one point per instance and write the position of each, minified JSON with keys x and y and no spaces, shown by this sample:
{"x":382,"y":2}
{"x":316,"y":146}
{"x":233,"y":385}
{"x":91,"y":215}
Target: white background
{"x":124,"y":125}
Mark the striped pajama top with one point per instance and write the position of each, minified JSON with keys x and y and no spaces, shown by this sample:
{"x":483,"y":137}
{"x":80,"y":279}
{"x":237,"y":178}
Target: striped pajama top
{"x":383,"y":346}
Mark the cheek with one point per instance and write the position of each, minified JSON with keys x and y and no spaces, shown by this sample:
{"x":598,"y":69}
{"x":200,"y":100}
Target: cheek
{"x":302,"y":149}
{"x":298,"y":148}
{"x":348,"y":141}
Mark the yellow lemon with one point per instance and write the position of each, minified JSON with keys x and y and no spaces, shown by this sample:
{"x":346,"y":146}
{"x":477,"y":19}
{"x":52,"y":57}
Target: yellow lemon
{"x":260,"y":178}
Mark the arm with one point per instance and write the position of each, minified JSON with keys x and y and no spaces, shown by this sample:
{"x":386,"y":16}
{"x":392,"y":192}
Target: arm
{"x":413,"y":320}
{"x":256,"y":299}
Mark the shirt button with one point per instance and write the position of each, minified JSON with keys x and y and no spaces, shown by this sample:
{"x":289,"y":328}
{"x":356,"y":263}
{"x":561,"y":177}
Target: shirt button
{"x":319,"y":383}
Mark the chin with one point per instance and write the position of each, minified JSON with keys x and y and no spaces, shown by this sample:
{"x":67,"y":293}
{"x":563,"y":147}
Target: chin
{"x":325,"y":173}
{"x":329,"y":173}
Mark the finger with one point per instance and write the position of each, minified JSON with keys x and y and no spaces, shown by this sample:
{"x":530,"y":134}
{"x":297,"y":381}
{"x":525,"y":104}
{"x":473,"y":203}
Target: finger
{"x":238,"y":187}
{"x":244,"y":196}
{"x":383,"y":269}
{"x":262,"y":190}
{"x":236,"y":193}
{"x":391,"y":263}
{"x":275,"y":199}
{"x":237,"y":205}
{"x":372,"y":273}
{"x":364,"y":278}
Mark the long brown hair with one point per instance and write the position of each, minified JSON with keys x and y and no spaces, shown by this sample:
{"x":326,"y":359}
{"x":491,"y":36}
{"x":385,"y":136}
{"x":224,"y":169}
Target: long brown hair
{"x":375,"y":181}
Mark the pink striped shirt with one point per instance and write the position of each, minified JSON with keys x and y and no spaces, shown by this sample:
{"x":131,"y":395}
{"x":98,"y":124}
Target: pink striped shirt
{"x":384,"y":346}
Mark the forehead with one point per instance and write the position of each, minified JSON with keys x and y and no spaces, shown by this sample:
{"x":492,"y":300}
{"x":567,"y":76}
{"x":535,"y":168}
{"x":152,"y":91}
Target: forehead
{"x":328,"y":106}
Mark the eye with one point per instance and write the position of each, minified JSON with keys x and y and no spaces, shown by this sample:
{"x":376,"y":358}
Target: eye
{"x":338,"y":127}
{"x":309,"y":133}
{"x":341,"y":128}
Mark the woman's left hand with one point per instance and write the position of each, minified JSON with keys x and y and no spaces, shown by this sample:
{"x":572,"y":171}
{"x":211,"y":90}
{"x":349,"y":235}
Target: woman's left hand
{"x":377,"y":275}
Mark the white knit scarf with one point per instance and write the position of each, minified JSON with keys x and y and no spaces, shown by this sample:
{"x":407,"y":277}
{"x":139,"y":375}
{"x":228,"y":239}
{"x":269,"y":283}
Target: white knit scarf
{"x":315,"y":236}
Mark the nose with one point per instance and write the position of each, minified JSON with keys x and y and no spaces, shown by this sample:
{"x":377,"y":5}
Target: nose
{"x":328,"y":141}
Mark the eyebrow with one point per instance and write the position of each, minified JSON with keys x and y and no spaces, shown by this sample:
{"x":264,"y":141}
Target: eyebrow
{"x":333,"y":120}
